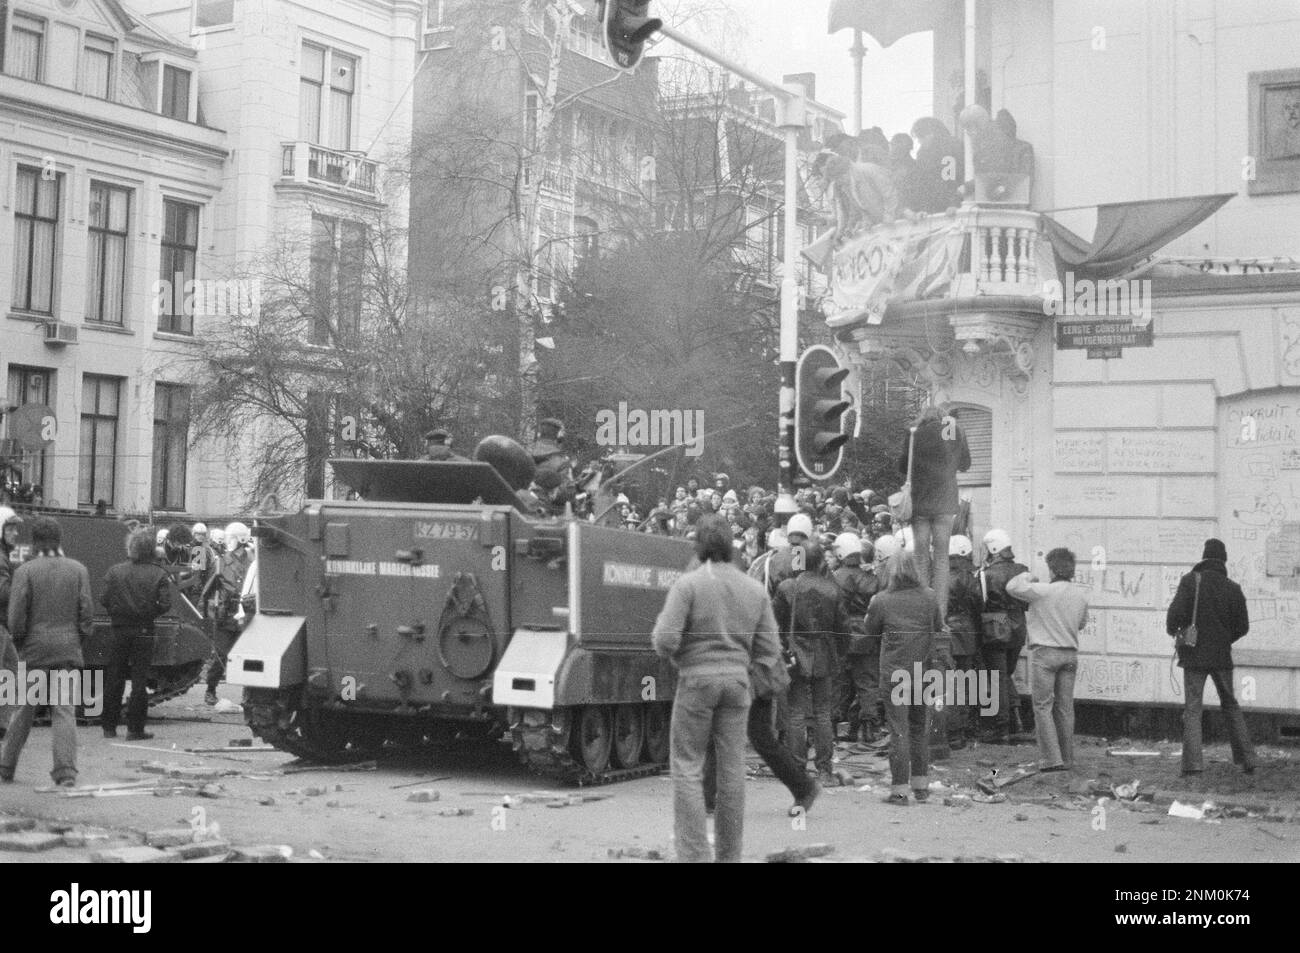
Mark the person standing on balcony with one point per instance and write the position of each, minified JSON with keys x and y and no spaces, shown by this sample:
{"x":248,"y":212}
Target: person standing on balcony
{"x":862,"y":192}
{"x":939,"y":452}
{"x":939,"y":166}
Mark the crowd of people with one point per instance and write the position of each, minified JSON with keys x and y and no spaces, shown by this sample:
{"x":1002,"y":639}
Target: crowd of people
{"x":856,"y":607}
{"x":47,"y":608}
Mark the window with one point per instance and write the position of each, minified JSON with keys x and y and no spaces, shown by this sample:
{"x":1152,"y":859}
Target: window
{"x":26,"y":47}
{"x":36,"y":222}
{"x":180,"y":246}
{"x":97,"y":68}
{"x":209,"y":13}
{"x":107,"y":253}
{"x":328,"y":80}
{"x":171,"y":428}
{"x":586,"y":243}
{"x":176,"y":93}
{"x":100,"y":407}
{"x":31,"y":385}
{"x":338,"y":257}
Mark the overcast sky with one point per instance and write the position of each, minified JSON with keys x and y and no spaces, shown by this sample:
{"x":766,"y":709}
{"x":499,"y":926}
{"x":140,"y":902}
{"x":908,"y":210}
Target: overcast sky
{"x":789,"y":36}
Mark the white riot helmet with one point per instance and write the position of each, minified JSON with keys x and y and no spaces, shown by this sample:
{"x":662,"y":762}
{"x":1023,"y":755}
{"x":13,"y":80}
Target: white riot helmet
{"x":776,"y":539}
{"x":8,"y":515}
{"x":217,"y":537}
{"x":199,"y":529}
{"x":887,"y":546}
{"x":237,"y":534}
{"x":160,"y":537}
{"x":996,"y":541}
{"x":960,"y":546}
{"x":799,"y":523}
{"x":848,"y":544}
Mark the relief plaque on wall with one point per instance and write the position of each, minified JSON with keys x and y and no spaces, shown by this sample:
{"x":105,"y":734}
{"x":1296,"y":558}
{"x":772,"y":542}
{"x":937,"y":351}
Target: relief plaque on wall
{"x":1273,"y":163}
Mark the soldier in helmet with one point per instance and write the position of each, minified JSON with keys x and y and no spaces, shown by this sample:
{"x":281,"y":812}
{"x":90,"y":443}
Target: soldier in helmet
{"x":548,"y":449}
{"x":437,"y":446}
{"x":224,"y":592}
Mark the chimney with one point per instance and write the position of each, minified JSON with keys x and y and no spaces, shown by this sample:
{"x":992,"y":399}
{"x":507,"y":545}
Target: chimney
{"x":807,"y":80}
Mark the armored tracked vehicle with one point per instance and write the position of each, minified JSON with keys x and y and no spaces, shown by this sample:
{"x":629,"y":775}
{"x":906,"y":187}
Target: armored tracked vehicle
{"x":436,"y":606}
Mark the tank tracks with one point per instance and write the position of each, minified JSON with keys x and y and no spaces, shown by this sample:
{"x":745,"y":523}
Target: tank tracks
{"x":174,"y":681}
{"x":549,"y":750}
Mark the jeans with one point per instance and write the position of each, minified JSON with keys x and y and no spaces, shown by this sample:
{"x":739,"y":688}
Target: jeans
{"x":788,"y":770}
{"x":931,"y":539}
{"x":962,"y":718}
{"x":709,"y":709}
{"x":1243,"y":752}
{"x":1051,"y":679}
{"x":941,"y":719}
{"x":130,"y":653}
{"x":1000,"y":662}
{"x":909,"y":746}
{"x":223,"y":640}
{"x":810,"y":703}
{"x":864,"y":672}
{"x":64,"y":729}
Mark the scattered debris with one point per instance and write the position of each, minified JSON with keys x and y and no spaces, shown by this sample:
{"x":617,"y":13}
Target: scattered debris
{"x":266,"y":854}
{"x":1132,"y":753}
{"x":988,"y":798}
{"x":1121,"y":848}
{"x":13,"y":825}
{"x":30,"y":842}
{"x":201,"y":850}
{"x":1274,"y":834}
{"x":1125,"y":792}
{"x":410,"y":784}
{"x":1022,"y":817}
{"x":297,"y":768}
{"x":423,"y":797}
{"x":637,"y":853}
{"x":235,"y":748}
{"x":171,"y":837}
{"x":798,"y":855}
{"x":134,"y":855}
{"x":1190,"y":811}
{"x":266,"y":801}
{"x":225,"y":706}
{"x":456,"y":812}
{"x":331,"y":803}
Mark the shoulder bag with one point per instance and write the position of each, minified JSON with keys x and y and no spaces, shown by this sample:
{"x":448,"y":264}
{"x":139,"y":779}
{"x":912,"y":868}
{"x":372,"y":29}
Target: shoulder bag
{"x":1186,"y":636}
{"x":900,"y":503}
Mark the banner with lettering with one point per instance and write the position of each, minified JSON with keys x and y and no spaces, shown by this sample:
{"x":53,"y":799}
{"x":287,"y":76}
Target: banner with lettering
{"x":890,"y":263}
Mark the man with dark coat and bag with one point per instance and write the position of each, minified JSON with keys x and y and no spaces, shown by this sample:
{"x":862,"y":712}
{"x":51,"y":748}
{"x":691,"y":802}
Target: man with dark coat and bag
{"x":1221,"y":618}
{"x":135,"y":593}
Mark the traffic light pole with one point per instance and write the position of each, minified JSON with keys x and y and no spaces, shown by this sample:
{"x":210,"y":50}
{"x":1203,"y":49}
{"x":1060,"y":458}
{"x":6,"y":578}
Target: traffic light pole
{"x":791,"y":118}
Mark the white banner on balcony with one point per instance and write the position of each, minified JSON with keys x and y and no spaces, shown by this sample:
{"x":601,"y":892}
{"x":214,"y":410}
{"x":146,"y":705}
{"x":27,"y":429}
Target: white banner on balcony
{"x":891,"y":262}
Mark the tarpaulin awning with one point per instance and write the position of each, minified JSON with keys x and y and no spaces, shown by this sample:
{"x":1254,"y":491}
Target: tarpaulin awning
{"x":886,"y":20}
{"x":1126,"y":233}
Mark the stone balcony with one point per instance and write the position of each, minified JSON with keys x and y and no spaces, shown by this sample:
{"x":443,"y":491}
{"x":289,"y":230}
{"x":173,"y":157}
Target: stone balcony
{"x":917,"y":291}
{"x":305,"y":163}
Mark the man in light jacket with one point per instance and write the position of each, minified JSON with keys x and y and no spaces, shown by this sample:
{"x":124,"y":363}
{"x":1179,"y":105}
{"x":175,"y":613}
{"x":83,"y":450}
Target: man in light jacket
{"x":714,"y":623}
{"x":1058,"y":610}
{"x":50,"y":614}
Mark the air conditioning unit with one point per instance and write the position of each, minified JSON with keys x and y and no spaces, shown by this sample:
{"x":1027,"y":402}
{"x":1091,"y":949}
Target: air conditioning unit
{"x":59,"y":333}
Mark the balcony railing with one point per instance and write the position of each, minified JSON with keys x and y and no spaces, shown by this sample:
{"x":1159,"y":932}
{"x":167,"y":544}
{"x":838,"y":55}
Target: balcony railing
{"x":556,"y":179}
{"x":976,"y":251}
{"x":306,"y":163}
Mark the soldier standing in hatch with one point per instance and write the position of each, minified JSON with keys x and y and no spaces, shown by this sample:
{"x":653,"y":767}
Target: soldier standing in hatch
{"x":437,"y":446}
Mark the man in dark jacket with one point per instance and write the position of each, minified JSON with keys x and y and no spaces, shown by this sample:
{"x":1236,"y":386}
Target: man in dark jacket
{"x":50,"y":615}
{"x":857,"y":586}
{"x":9,"y":523}
{"x":135,"y":593}
{"x":1221,"y":618}
{"x":1001,"y":650}
{"x":940,"y":451}
{"x":813,"y":624}
{"x":963,"y":621}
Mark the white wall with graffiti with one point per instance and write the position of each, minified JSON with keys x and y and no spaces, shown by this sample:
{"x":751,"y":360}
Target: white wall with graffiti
{"x":1153,"y":453}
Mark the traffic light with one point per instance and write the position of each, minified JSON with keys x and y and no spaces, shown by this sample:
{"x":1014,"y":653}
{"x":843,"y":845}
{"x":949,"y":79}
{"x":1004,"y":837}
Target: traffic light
{"x":626,"y":29}
{"x":819,"y":412}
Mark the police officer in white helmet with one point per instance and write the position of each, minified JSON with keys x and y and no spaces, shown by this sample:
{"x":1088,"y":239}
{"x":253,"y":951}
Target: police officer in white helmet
{"x":224,"y":599}
{"x":1002,"y":631}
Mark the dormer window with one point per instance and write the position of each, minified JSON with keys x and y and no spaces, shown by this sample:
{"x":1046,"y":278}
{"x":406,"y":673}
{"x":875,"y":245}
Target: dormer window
{"x":97,"y":67}
{"x":175,"y":92}
{"x":26,"y":47}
